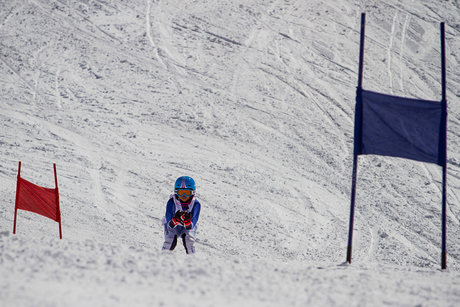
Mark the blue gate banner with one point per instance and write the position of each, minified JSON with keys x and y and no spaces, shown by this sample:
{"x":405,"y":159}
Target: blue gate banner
{"x":399,"y":127}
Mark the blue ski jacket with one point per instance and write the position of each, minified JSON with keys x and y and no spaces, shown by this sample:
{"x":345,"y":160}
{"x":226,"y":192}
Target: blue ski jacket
{"x":173,"y":205}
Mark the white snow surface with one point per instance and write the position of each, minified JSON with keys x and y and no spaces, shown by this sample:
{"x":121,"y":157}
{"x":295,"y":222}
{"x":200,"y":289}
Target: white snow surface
{"x":253,"y":99}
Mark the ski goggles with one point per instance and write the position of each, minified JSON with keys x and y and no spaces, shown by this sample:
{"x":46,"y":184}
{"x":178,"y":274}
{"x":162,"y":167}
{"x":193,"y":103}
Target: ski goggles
{"x":183,"y":192}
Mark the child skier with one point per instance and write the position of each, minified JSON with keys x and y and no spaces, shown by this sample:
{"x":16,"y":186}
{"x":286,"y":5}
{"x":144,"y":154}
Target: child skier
{"x":182,"y":213}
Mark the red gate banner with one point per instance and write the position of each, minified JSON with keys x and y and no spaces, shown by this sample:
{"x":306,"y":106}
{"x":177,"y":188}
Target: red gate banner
{"x":37,"y":199}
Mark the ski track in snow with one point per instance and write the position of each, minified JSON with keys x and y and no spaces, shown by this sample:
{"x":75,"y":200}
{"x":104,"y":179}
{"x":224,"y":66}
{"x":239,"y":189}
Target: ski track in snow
{"x":401,"y":51}
{"x":253,"y":99}
{"x":18,"y":74}
{"x":161,"y":52}
{"x":8,"y":16}
{"x":389,"y":50}
{"x":56,"y":87}
{"x":252,"y":36}
{"x":148,"y":30}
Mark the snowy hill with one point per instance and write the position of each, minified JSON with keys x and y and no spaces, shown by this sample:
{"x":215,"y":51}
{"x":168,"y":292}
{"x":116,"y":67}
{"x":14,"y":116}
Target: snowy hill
{"x":253,"y":99}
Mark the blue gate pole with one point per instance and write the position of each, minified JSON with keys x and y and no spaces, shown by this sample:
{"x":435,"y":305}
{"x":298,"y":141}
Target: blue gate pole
{"x":357,"y":138}
{"x":443,"y":147}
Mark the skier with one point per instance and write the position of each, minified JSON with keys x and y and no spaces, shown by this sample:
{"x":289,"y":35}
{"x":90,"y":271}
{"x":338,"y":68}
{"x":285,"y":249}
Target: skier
{"x":182,"y":213}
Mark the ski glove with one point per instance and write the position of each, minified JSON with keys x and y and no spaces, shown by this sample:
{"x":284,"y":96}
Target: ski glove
{"x":187,"y":220}
{"x":187,"y":216}
{"x":176,"y":220}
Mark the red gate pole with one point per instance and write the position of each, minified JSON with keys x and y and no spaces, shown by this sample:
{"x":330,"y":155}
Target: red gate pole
{"x":58,"y":213}
{"x":17,"y":198}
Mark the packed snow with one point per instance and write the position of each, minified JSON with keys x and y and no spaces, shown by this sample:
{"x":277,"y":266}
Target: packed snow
{"x":254,"y":100}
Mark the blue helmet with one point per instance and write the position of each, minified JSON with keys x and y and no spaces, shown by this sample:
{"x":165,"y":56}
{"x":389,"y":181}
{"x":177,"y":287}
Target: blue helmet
{"x":185,"y":183}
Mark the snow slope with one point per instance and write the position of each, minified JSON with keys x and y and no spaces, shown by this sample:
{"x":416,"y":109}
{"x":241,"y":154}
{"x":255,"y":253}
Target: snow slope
{"x":255,"y":100}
